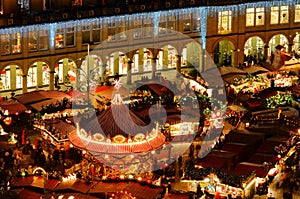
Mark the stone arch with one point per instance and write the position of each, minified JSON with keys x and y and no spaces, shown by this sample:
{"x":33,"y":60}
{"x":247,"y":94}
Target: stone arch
{"x":167,"y":57}
{"x":275,"y":40}
{"x":224,"y":53}
{"x":191,"y":55}
{"x":253,"y":49}
{"x":142,"y":60}
{"x":11,"y":76}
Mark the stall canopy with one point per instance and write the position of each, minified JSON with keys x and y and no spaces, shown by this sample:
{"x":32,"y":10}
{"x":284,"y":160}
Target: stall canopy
{"x":12,"y":106}
{"x":27,"y":194}
{"x":37,"y":96}
{"x":255,"y":70}
{"x":246,"y":168}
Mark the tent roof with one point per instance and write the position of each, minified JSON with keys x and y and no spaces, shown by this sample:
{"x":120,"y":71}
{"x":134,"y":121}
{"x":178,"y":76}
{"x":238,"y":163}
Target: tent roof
{"x":246,"y":168}
{"x":27,"y":194}
{"x":116,"y":120}
{"x":12,"y":106}
{"x":255,"y":70}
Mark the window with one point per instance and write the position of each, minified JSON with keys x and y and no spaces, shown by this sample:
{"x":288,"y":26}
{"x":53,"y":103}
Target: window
{"x":196,"y":22}
{"x":162,"y":27}
{"x":120,"y":30}
{"x":23,"y":5}
{"x":86,"y":34}
{"x":224,"y":22}
{"x":250,"y":13}
{"x":171,"y":24}
{"x":284,"y":14}
{"x":148,"y":28}
{"x":260,"y":17}
{"x":255,"y":16}
{"x":70,"y":35}
{"x":10,"y":44}
{"x":279,"y":14}
{"x":59,"y":38}
{"x":16,"y":43}
{"x":111,"y":31}
{"x":186,"y":20}
{"x":97,"y":33}
{"x":33,"y":42}
{"x":43,"y":40}
{"x":137,"y":24}
{"x":297,"y":13}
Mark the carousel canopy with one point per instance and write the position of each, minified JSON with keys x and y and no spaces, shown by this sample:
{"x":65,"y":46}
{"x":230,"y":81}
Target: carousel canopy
{"x":116,"y":120}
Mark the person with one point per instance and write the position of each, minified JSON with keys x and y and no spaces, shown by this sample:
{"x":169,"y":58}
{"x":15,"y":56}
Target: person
{"x":56,"y":79}
{"x":117,"y":76}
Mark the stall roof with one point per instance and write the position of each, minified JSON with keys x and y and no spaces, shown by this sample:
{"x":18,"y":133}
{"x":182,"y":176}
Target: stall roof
{"x":137,"y":190}
{"x":37,"y":96}
{"x":12,"y":106}
{"x":27,"y":194}
{"x":260,"y":158}
{"x":255,"y":69}
{"x":246,"y":168}
{"x":75,"y":185}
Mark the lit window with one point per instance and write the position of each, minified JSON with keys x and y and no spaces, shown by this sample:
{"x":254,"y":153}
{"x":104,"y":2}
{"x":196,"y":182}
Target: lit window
{"x":148,"y":27}
{"x":224,"y":22}
{"x":279,"y":15}
{"x":260,"y":17}
{"x":250,"y":17}
{"x":120,"y":30}
{"x":171,"y":24}
{"x":255,"y":16}
{"x":111,"y":31}
{"x":137,"y":24}
{"x":297,"y":13}
{"x":186,"y":20}
{"x":16,"y":43}
{"x":162,"y":27}
{"x":32,"y":43}
{"x":284,"y":14}
{"x":196,"y":22}
{"x":59,"y":38}
{"x":43,"y":40}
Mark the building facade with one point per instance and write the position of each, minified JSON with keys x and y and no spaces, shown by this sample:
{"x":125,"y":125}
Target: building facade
{"x":32,"y":55}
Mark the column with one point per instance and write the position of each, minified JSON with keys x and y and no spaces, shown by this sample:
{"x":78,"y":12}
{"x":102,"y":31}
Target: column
{"x":290,"y":48}
{"x":266,"y":47}
{"x":153,"y":63}
{"x":129,"y":73}
{"x":51,"y":80}
{"x":24,"y":81}
{"x":39,"y":73}
{"x":141,"y":61}
{"x":178,"y":63}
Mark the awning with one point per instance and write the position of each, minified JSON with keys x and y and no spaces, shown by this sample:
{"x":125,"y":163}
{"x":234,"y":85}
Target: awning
{"x":12,"y":106}
{"x":27,"y":194}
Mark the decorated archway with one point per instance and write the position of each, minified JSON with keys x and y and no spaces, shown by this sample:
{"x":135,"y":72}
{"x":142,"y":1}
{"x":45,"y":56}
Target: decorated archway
{"x":296,"y":46}
{"x":116,"y":63}
{"x":254,"y":49}
{"x":276,"y":40}
{"x":142,"y":60}
{"x":224,"y":53}
{"x":38,"y":74}
{"x":11,"y":78}
{"x":167,"y":57}
{"x":65,"y":69}
{"x":191,"y":55}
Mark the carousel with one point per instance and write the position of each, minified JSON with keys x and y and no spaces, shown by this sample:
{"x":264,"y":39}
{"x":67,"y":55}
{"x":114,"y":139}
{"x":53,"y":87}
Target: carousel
{"x":118,"y":138}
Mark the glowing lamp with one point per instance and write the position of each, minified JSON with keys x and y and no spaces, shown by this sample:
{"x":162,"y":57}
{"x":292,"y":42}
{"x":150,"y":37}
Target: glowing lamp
{"x":130,"y":176}
{"x":122,"y":177}
{"x":149,"y":181}
{"x":139,"y":179}
{"x":7,"y":120}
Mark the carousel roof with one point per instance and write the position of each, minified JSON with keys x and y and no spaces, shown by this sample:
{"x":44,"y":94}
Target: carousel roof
{"x":116,"y":120}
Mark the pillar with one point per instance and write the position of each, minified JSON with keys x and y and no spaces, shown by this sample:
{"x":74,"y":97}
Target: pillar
{"x":116,"y":63}
{"x":266,"y":48}
{"x":153,"y":63}
{"x":39,"y":73}
{"x":178,"y":63}
{"x":24,"y":81}
{"x":51,"y":80}
{"x":129,"y":73}
{"x":141,"y":61}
